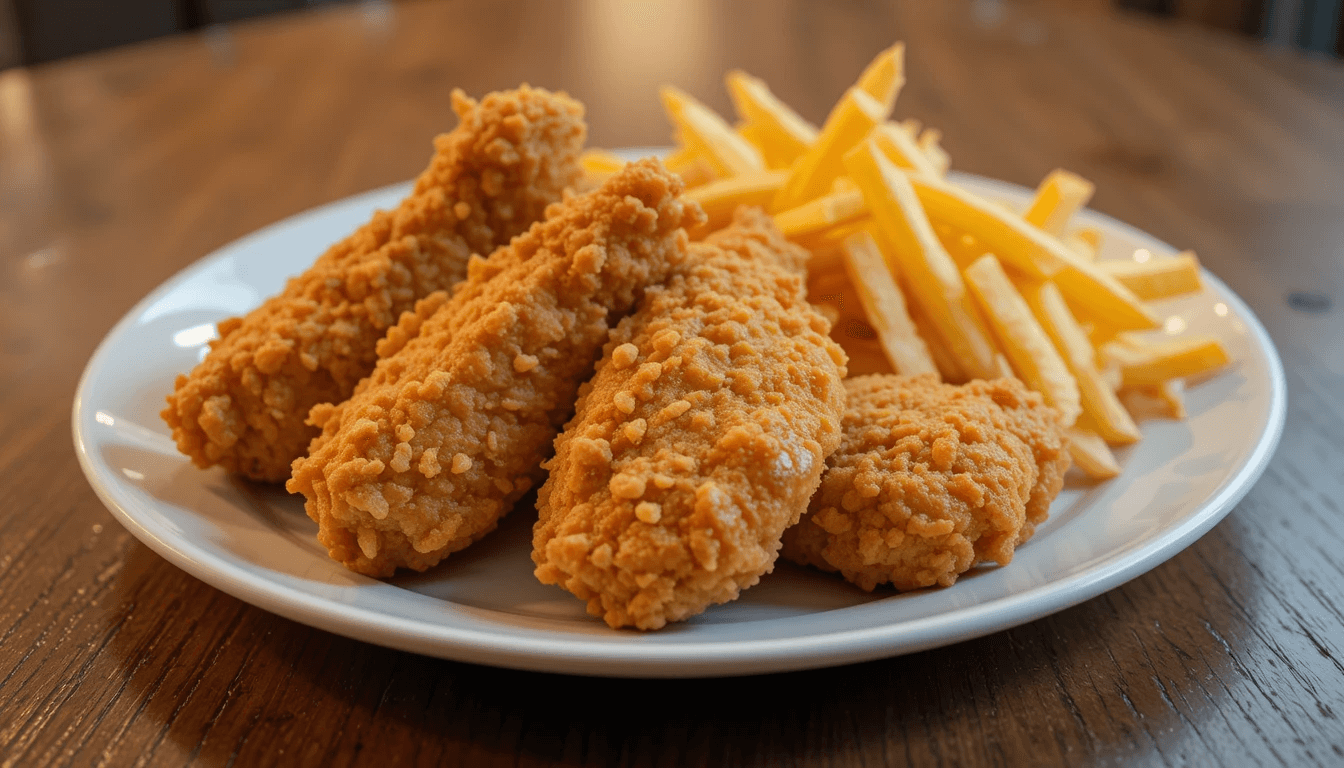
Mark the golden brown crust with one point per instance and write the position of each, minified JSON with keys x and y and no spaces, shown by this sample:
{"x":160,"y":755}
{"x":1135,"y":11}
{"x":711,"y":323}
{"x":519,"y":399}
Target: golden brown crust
{"x":699,"y":439}
{"x":244,"y":406}
{"x":454,"y":422}
{"x":931,"y":479}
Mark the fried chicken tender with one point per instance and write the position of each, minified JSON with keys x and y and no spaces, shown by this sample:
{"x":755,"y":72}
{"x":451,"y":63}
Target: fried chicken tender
{"x":244,"y":406}
{"x":931,"y":479}
{"x":699,"y":439}
{"x":453,"y":424}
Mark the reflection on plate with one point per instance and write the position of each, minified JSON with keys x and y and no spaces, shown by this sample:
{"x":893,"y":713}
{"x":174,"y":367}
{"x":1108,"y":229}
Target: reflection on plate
{"x":483,"y":605}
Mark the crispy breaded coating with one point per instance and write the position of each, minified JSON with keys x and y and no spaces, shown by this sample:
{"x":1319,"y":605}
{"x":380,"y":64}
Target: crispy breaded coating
{"x":699,"y":439}
{"x":457,"y":417}
{"x":931,"y":479}
{"x":244,"y":407}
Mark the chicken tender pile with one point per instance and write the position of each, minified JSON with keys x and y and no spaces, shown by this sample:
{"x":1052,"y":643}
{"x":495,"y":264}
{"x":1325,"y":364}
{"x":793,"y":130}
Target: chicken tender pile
{"x":244,"y":407}
{"x":700,"y":438}
{"x":931,"y":479}
{"x":468,"y":394}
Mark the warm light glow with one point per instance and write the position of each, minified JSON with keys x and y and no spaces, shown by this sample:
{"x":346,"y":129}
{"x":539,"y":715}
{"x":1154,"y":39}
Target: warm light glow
{"x":39,"y":260}
{"x":1220,"y":309}
{"x":131,"y":473}
{"x":1175,"y":325}
{"x":1142,"y":255}
{"x":104,"y":418}
{"x":641,"y":45}
{"x":16,"y":103}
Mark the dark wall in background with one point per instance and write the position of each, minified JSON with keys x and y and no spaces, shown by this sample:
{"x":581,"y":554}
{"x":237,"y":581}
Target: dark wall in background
{"x":34,"y":31}
{"x":9,"y":36}
{"x":53,"y":29}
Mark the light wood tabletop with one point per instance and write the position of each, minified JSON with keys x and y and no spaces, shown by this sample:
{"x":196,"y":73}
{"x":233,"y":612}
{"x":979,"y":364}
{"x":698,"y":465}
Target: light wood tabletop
{"x":118,"y":169}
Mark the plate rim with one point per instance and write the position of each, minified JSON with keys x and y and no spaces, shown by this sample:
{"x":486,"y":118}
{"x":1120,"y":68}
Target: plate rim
{"x":515,"y":649}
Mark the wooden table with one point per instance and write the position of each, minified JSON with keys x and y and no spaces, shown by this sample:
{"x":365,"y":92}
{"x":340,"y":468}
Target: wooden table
{"x":118,"y":169}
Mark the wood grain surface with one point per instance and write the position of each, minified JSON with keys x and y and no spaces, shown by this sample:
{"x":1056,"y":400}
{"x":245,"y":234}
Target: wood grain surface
{"x":116,"y":170}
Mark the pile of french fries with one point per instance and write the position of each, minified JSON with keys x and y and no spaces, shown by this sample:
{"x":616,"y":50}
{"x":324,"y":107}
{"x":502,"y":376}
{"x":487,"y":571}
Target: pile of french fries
{"x":946,"y":281}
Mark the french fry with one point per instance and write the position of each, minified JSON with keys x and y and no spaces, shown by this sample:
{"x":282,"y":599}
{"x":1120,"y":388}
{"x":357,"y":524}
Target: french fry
{"x":1091,"y":455}
{"x":884,"y":304}
{"x":834,"y":294}
{"x":1003,"y":233}
{"x":884,"y":76}
{"x":720,"y":198}
{"x":701,"y":128}
{"x":1080,"y":246}
{"x":911,"y":126}
{"x":963,"y":248}
{"x":1162,"y":401}
{"x":1096,"y":295}
{"x":851,"y":119}
{"x":901,"y":149}
{"x":908,"y":242}
{"x":1022,"y":339}
{"x":777,"y":131}
{"x":843,"y":184}
{"x":829,"y":241}
{"x":690,"y":166}
{"x":931,"y":143}
{"x":1153,"y":364}
{"x":820,"y":214}
{"x":1110,"y":373}
{"x":1107,"y":416}
{"x":1156,"y":278}
{"x":600,"y":162}
{"x":1090,"y":290}
{"x":1060,"y":195}
{"x":1091,"y":236}
{"x":938,"y":349}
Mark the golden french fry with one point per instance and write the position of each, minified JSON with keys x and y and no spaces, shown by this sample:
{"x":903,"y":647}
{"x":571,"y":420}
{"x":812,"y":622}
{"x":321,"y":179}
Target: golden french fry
{"x":884,"y":76}
{"x":911,"y":126}
{"x":820,"y":214}
{"x":1110,"y":373}
{"x":1096,"y":295}
{"x":938,"y":349}
{"x":851,"y":119}
{"x":1022,"y":338}
{"x":1160,"y":401}
{"x":1091,"y":236}
{"x":1035,"y":253}
{"x":1081,"y":246}
{"x":885,"y":306}
{"x":1107,"y":416}
{"x":692,"y":167}
{"x":600,"y":162}
{"x":834,"y":294}
{"x":1060,"y":195}
{"x":1091,"y":455}
{"x":930,"y":142}
{"x":908,"y":242}
{"x":963,"y":248}
{"x":1180,"y":358}
{"x":701,"y":128}
{"x":1156,"y":278}
{"x":843,"y":184}
{"x":903,"y":150}
{"x":1002,"y":232}
{"x":720,"y":198}
{"x":777,"y":131}
{"x":827,"y":242}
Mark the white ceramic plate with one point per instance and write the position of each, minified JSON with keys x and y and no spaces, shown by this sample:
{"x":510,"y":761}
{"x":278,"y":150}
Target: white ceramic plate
{"x":484,"y":606}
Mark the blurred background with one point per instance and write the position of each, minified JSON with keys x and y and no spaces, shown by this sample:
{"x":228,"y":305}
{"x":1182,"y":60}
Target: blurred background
{"x":34,"y":31}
